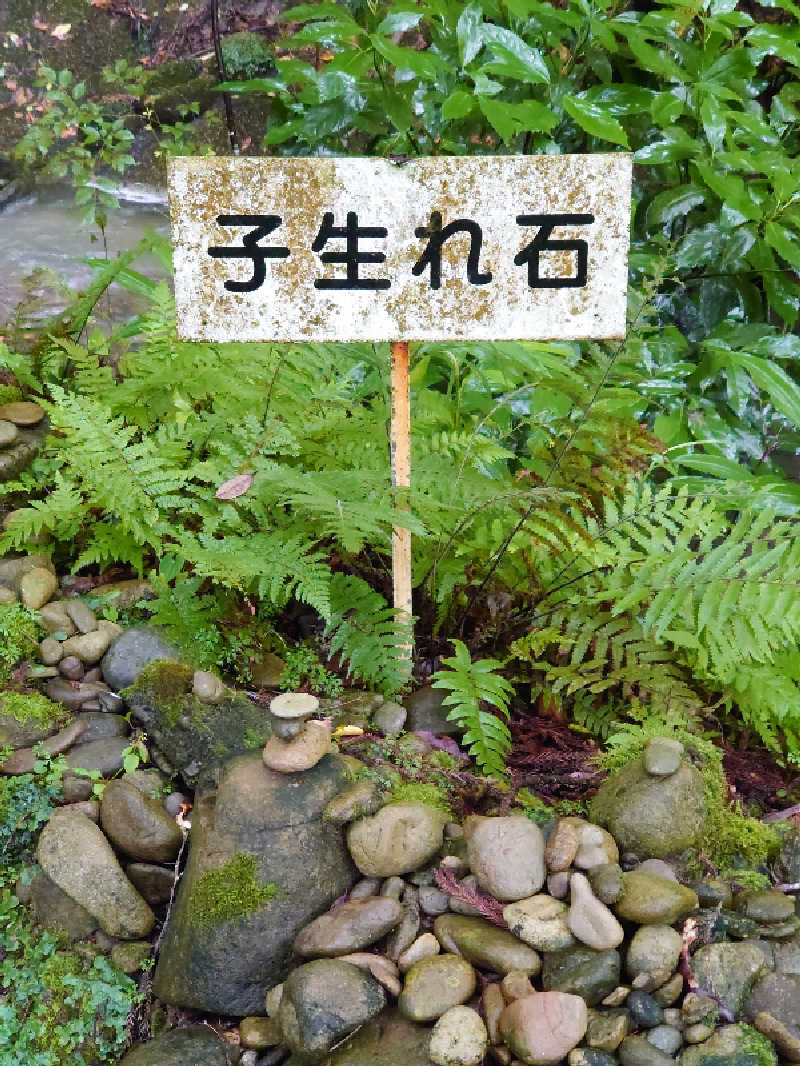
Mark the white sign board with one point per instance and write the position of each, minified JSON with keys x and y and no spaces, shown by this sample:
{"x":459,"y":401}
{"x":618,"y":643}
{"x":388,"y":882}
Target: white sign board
{"x":478,"y":248}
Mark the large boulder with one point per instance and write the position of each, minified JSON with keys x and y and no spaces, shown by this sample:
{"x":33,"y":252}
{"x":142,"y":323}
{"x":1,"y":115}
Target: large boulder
{"x":728,"y":971}
{"x":229,"y":937}
{"x":136,"y":648}
{"x":779,"y":995}
{"x":182,"y":1047}
{"x":401,"y":837}
{"x":648,"y":815}
{"x":731,"y":1045}
{"x":506,"y":855}
{"x":192,"y":735}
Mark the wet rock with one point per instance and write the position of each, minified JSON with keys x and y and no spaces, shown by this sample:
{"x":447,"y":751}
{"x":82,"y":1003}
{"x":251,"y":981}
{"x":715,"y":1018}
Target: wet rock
{"x":136,"y":648}
{"x":645,"y":1011}
{"x":606,"y":882}
{"x":434,"y":985}
{"x":73,"y":852}
{"x":653,"y":949}
{"x":769,"y":907}
{"x":138,"y":825}
{"x":251,"y":827}
{"x":258,"y":1033}
{"x":58,"y":912}
{"x":323,"y":1002}
{"x":543,"y":1028}
{"x":581,"y":971}
{"x":506,"y":855}
{"x":652,"y":816}
{"x":387,"y":1040}
{"x":154,"y":883}
{"x":424,"y":947}
{"x":589,"y":920}
{"x":731,"y":1045}
{"x":182,"y":1047}
{"x":666,"y":1038}
{"x":88,"y":647}
{"x":651,"y":900}
{"x":779,"y":995}
{"x":359,"y":800}
{"x":786,"y":1042}
{"x":105,"y":756}
{"x":83,"y":617}
{"x":59,"y":690}
{"x":401,"y":837}
{"x":390,"y":718}
{"x":728,"y":971}
{"x":541,"y":922}
{"x":484,"y":944}
{"x":432,"y":901}
{"x":132,"y":956}
{"x":71,"y":667}
{"x":662,"y":756}
{"x":312,"y":743}
{"x":428,"y":713}
{"x":348,"y":927}
{"x":562,"y":847}
{"x":36,"y":587}
{"x":459,"y":1038}
{"x":607,"y":1030}
{"x":100,"y":725}
{"x":406,"y":932}
{"x":638,"y":1051}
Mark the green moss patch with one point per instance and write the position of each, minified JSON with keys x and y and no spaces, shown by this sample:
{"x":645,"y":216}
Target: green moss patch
{"x":420,"y":792}
{"x":31,"y":707}
{"x":18,"y":637}
{"x":229,"y":893}
{"x":163,"y":684}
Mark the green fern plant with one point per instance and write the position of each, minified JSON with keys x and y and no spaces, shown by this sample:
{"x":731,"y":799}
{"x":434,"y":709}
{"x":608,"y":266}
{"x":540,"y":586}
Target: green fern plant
{"x":471,"y":684}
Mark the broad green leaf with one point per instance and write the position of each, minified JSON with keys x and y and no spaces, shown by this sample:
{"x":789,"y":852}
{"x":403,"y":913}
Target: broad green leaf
{"x":772,"y":40}
{"x":595,"y":120}
{"x":620,"y":99}
{"x":534,"y":117}
{"x":458,"y":104}
{"x":469,"y":33}
{"x":783,"y":392}
{"x":676,"y":144}
{"x":674,"y":203}
{"x":513,"y":58}
{"x":784,"y":242}
{"x":325,"y":9}
{"x":399,"y":22}
{"x":500,"y":116}
{"x":712,"y":115}
{"x":427,"y":65}
{"x":731,"y":189}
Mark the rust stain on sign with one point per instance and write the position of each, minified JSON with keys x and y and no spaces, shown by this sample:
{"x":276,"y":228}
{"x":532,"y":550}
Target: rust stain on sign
{"x":569,"y":279}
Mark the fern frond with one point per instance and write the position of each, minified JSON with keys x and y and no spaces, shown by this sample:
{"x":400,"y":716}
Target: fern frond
{"x":469,"y":683}
{"x":365,"y":631}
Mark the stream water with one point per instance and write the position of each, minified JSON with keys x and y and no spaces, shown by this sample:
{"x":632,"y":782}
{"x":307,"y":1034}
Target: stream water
{"x":44,"y":231}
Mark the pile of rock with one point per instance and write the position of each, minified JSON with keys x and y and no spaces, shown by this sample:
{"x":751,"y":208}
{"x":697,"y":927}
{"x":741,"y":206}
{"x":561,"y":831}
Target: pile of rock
{"x":22,"y":432}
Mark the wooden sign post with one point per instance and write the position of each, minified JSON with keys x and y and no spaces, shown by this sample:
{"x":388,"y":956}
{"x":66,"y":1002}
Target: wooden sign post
{"x":437,"y":249}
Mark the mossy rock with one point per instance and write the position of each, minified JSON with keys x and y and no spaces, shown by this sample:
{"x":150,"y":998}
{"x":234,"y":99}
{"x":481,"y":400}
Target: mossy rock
{"x":193,"y":735}
{"x":732,"y":1045}
{"x":653,"y":817}
{"x":26,"y":718}
{"x":230,"y":933}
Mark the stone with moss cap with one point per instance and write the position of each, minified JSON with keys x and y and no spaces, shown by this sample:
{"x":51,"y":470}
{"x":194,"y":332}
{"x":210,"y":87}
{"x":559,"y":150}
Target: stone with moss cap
{"x":26,"y":718}
{"x":269,"y":826}
{"x":731,"y":1045}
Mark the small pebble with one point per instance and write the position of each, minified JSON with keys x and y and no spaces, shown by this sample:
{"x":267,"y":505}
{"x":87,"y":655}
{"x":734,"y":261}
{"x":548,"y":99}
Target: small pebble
{"x":366,"y":887}
{"x":645,"y":1011}
{"x":393,"y":887}
{"x":666,"y":1039}
{"x":516,"y":985}
{"x":423,"y":947}
{"x":432,"y":901}
{"x":459,"y":1038}
{"x":71,"y":668}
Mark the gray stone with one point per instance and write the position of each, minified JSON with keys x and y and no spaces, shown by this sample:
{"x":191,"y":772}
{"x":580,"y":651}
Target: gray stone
{"x":589,"y":920}
{"x":653,"y":949}
{"x":729,"y":971}
{"x":50,"y":651}
{"x":197,"y":1045}
{"x":590,"y":974}
{"x":390,"y":718}
{"x":8,"y":433}
{"x":432,"y":901}
{"x":651,"y":900}
{"x":485,"y":945}
{"x":14,"y":568}
{"x":100,"y":726}
{"x":406,"y":932}
{"x":434,"y":985}
{"x":88,"y":647}
{"x":786,"y":1042}
{"x":401,"y":837}
{"x":191,"y":735}
{"x":769,"y":907}
{"x":506,"y":855}
{"x":387,"y":1040}
{"x":137,"y":825}
{"x":61,"y":691}
{"x":427,"y":713}
{"x":638,"y":1051}
{"x":226,"y":963}
{"x":104,"y":756}
{"x":541,"y":922}
{"x":662,"y":756}
{"x":71,"y":667}
{"x":323,"y":1002}
{"x":154,"y":883}
{"x":132,"y":956}
{"x":651,"y":816}
{"x":73,"y":852}
{"x":135,"y":649}
{"x":731,"y":1045}
{"x":57,"y":911}
{"x":360,"y":799}
{"x":778,"y":995}
{"x":83,"y":617}
{"x":459,"y":1038}
{"x":312,"y":743}
{"x":348,"y":927}
{"x":54,"y":618}
{"x":645,"y":1011}
{"x":666,"y":1038}
{"x":606,"y":882}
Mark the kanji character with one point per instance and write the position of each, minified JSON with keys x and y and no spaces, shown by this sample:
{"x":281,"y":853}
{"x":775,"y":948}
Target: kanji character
{"x":351,"y":233}
{"x":265,"y":224}
{"x":542,"y":243}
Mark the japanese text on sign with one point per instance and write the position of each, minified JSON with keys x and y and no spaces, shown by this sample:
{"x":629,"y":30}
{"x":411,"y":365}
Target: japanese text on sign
{"x":359,"y":249}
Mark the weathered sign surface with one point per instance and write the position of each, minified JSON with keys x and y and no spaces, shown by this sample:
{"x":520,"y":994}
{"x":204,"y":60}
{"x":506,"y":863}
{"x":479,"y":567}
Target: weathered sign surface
{"x":479,"y":248}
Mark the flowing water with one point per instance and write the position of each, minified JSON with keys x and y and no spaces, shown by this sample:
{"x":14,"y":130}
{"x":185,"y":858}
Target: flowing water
{"x":44,"y":231}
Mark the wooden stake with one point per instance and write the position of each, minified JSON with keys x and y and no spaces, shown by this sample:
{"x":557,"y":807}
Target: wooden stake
{"x":401,"y":478}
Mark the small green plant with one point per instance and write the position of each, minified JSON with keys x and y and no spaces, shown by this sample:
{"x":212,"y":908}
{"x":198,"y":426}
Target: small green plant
{"x":26,"y":803}
{"x":304,"y":668}
{"x":470,"y":684}
{"x":253,"y":739}
{"x":230,"y":892}
{"x":31,"y":707}
{"x":18,"y":636}
{"x":57,"y":1006}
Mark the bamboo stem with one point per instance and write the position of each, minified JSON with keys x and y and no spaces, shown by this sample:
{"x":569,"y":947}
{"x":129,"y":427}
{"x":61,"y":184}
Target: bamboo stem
{"x":400,"y":437}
